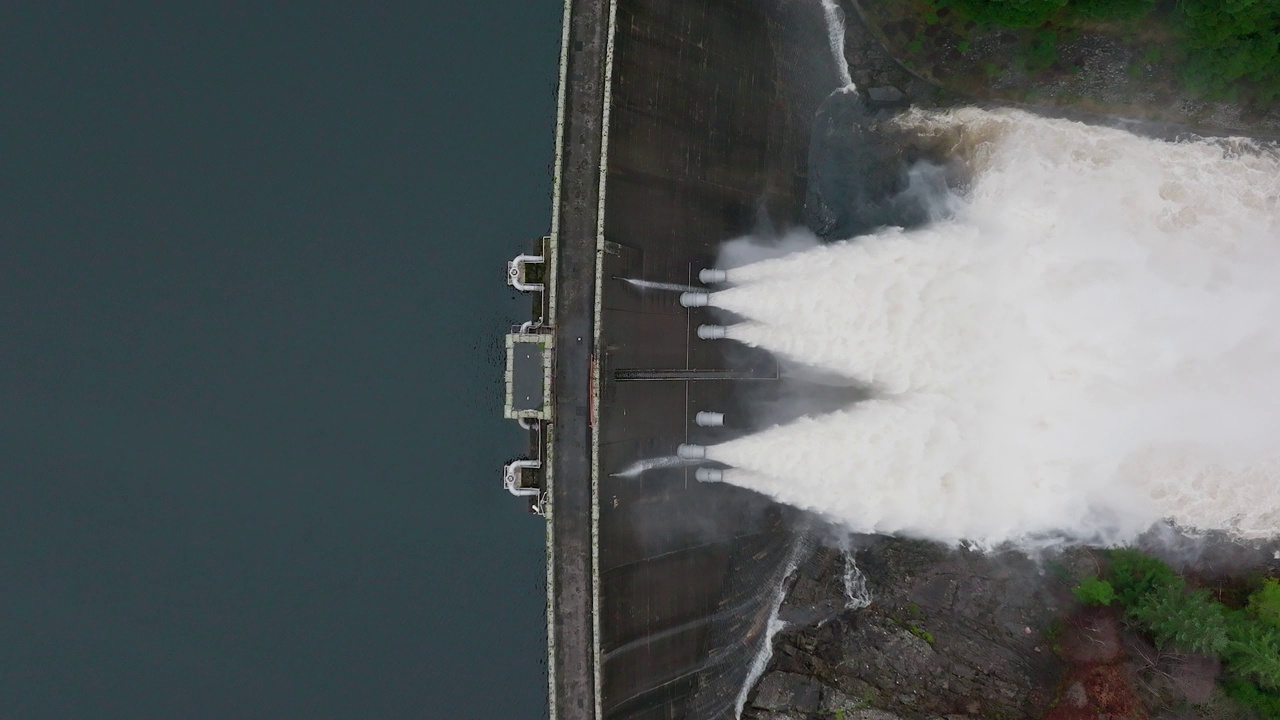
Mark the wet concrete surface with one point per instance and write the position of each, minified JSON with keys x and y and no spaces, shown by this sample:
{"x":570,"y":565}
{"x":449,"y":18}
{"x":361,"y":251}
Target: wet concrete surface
{"x":711,"y":111}
{"x":570,"y":592}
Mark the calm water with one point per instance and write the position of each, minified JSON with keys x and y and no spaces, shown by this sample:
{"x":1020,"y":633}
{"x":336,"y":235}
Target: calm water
{"x":251,"y":267}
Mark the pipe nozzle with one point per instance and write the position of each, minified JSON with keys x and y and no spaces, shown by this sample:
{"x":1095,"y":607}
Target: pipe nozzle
{"x":711,"y":276}
{"x":695,"y":299}
{"x":707,"y":475}
{"x":709,"y":419}
{"x":711,"y":332}
{"x":691,"y":452}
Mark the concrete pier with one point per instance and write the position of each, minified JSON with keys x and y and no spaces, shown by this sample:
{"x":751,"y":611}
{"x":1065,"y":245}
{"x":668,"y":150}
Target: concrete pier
{"x":682,"y":123}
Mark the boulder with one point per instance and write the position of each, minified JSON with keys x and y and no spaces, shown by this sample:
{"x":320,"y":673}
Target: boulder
{"x":886,"y":96}
{"x":788,"y":691}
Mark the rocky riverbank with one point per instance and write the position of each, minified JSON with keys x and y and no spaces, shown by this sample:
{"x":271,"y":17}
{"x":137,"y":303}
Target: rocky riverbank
{"x":898,"y":50}
{"x":949,"y":634}
{"x":958,"y":634}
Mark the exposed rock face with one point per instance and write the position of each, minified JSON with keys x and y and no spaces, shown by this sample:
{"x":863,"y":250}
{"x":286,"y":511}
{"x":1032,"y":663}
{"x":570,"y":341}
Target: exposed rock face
{"x":886,"y":96}
{"x":959,"y":635}
{"x":788,"y":691}
{"x":861,"y":165}
{"x":788,"y":696}
{"x":948,"y":634}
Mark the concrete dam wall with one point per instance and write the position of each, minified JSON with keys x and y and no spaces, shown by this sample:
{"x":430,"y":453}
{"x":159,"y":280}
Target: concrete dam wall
{"x":684,"y":123}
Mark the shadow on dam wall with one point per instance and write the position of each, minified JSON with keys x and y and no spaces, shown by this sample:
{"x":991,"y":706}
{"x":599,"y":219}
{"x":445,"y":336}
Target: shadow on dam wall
{"x":711,"y":109}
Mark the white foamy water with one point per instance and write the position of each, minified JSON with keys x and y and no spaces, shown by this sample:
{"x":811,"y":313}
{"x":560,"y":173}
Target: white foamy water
{"x":856,"y":593}
{"x":1091,"y":343}
{"x":774,"y":625}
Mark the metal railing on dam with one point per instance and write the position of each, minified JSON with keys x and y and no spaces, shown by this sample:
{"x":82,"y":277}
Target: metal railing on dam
{"x":680,"y":124}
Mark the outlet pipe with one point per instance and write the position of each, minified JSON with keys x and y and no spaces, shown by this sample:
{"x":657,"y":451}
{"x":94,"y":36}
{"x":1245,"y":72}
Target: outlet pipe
{"x":695,"y":299}
{"x":511,"y":477}
{"x":708,"y":475}
{"x":515,"y":271}
{"x":691,"y":452}
{"x":709,"y":419}
{"x":712,"y":332}
{"x":711,"y":276}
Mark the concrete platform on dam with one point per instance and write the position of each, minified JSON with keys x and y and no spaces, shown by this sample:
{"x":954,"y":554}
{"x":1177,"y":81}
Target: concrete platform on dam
{"x":683,"y":123}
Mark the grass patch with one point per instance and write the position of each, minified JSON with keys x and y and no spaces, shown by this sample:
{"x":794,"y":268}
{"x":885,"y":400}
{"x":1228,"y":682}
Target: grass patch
{"x":921,"y":633}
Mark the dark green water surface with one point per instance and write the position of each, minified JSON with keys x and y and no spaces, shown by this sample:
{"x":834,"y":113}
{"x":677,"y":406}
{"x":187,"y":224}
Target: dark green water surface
{"x":251,"y":292}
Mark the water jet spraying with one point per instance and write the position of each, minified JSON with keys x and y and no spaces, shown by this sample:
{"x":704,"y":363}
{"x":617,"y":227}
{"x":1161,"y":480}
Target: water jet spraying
{"x":1039,"y":371}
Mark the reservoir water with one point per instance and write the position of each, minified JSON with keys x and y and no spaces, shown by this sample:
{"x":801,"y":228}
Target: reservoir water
{"x":251,"y":295}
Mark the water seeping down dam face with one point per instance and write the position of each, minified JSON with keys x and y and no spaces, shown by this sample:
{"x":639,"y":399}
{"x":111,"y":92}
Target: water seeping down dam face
{"x":691,"y":574}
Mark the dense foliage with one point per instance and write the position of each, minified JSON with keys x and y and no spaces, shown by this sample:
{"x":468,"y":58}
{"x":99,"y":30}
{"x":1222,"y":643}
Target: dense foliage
{"x":1006,"y":13}
{"x":1253,"y":651}
{"x":1134,"y":575}
{"x":1191,"y":620}
{"x":1266,"y":703}
{"x":1034,"y":13}
{"x":1230,"y":40}
{"x":1043,"y":50}
{"x":1111,"y":9}
{"x":1265,"y":603}
{"x":1092,"y":591}
{"x":1157,"y":600}
{"x":1225,"y":42}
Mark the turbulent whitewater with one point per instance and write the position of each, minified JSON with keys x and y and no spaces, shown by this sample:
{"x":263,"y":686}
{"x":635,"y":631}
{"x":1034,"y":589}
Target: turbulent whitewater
{"x":1090,"y":342}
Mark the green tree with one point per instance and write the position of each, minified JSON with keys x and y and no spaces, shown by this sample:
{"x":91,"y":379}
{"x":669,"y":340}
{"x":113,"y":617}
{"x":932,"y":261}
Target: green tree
{"x":1092,"y":591}
{"x":1191,"y":620}
{"x":1157,"y":600}
{"x":1227,"y":41}
{"x":1134,"y":574}
{"x":1264,"y":603}
{"x":1253,"y":651}
{"x":1266,"y":703}
{"x":1043,"y":50}
{"x":1006,"y":13}
{"x":1111,"y":9}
